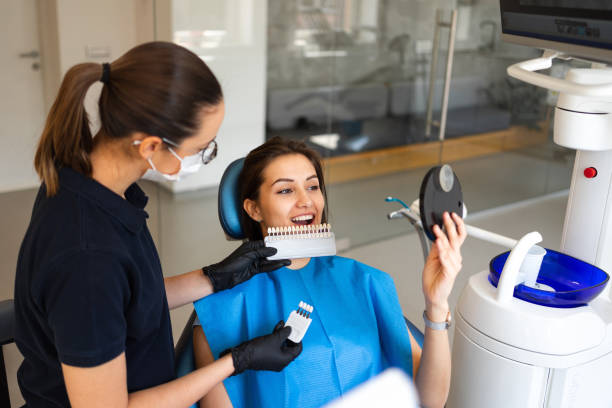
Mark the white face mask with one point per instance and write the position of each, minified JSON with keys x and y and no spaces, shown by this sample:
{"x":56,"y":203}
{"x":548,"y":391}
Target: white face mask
{"x":188,"y":165}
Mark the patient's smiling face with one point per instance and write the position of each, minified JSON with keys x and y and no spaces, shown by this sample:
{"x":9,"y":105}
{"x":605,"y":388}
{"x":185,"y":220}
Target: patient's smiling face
{"x":289,"y":194}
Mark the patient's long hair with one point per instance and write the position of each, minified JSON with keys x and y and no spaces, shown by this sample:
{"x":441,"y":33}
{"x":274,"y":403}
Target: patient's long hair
{"x":251,"y":176}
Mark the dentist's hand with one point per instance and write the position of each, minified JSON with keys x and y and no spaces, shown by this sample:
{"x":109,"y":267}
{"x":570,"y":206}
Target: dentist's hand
{"x":242,"y":264}
{"x":271,"y":352}
{"x":442,"y":266}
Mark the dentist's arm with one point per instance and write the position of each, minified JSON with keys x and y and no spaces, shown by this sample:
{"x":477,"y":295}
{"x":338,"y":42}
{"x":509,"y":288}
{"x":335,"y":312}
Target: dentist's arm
{"x":442,"y":266}
{"x":105,"y":385}
{"x":241,"y":265}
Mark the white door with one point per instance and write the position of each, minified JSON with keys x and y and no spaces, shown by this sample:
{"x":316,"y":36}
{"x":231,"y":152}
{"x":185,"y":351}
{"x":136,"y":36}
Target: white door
{"x":21,"y":96}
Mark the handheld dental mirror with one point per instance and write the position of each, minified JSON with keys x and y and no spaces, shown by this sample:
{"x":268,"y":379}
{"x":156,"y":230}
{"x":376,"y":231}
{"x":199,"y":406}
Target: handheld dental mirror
{"x":440,"y":192}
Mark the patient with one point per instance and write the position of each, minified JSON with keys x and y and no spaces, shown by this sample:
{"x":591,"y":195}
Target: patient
{"x":357,"y":327}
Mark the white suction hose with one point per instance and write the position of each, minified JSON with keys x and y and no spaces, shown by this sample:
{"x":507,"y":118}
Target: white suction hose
{"x":489,"y":236}
{"x":509,"y":277}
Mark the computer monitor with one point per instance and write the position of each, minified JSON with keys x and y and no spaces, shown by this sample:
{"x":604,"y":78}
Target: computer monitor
{"x":580,"y":28}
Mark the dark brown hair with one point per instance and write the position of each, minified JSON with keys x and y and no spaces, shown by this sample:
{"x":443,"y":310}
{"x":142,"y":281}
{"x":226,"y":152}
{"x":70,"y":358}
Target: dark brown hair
{"x":251,"y":176}
{"x":158,"y":88}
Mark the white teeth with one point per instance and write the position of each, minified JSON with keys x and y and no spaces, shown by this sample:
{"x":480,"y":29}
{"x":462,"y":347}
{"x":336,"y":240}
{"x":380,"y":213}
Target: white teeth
{"x":303,"y":218}
{"x":300,"y":231}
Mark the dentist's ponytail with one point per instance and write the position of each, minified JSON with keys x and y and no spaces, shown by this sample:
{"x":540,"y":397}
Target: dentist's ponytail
{"x":157,"y":88}
{"x":66,"y":139}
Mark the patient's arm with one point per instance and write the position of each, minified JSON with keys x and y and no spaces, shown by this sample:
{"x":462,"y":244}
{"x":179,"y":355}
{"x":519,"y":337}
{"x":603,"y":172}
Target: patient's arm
{"x":216,"y":397}
{"x":416,"y":354}
{"x":441,"y":268}
{"x":433,"y":370}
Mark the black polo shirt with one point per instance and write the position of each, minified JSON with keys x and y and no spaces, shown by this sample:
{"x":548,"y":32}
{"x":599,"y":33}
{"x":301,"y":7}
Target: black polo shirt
{"x":89,"y":287}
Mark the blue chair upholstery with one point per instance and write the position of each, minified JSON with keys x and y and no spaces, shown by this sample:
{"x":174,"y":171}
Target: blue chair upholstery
{"x":229,"y":200}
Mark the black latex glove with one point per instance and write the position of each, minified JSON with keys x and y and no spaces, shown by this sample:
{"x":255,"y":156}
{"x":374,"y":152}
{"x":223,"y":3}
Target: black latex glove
{"x":241,"y":265}
{"x":271,"y":352}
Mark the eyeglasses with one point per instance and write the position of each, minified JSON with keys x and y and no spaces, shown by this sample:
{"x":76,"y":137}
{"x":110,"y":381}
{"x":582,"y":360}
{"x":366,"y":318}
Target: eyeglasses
{"x":207,"y":154}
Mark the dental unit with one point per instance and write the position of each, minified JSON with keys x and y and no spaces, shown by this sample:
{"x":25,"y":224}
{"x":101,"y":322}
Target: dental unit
{"x":541,"y":335}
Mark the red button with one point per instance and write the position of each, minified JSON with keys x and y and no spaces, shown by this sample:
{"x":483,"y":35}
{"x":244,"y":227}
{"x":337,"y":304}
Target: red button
{"x":590,"y":172}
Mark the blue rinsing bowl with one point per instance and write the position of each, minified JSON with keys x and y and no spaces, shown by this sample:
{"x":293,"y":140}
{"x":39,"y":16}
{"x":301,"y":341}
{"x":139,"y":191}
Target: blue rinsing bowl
{"x":576,"y":282}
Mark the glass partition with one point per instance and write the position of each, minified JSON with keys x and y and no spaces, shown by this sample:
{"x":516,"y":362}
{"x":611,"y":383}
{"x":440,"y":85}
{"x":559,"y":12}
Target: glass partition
{"x":499,"y":129}
{"x":363,"y":82}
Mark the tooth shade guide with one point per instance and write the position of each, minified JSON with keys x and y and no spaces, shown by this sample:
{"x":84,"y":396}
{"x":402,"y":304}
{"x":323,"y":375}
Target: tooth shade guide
{"x":302,"y":231}
{"x":299,"y":321}
{"x":301,"y":241}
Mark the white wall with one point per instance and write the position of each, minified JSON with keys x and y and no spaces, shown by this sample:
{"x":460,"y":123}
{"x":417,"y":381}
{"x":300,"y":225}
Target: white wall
{"x":67,"y":28}
{"x":93,"y":31}
{"x":239,"y":62}
{"x":112,"y":27}
{"x":109,"y":24}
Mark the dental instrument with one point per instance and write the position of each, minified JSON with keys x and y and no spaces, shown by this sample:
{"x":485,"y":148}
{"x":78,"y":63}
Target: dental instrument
{"x":301,"y":241}
{"x":299,"y":321}
{"x":414,"y":216}
{"x":441,"y":191}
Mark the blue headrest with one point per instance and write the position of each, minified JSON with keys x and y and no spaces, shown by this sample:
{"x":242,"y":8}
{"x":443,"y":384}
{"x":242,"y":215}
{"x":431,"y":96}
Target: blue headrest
{"x":229,"y":200}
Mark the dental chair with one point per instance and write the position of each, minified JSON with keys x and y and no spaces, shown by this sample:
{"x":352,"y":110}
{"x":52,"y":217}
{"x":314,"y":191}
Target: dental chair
{"x":229,"y":216}
{"x":7,"y":324}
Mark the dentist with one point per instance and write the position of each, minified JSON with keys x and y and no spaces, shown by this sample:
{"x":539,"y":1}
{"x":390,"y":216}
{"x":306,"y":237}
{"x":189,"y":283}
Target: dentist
{"x":92,"y":306}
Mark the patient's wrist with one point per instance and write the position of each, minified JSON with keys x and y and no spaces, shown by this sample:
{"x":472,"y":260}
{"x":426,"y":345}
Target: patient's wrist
{"x":437,"y":312}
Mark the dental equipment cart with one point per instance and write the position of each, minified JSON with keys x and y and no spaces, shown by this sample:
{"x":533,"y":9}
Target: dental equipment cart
{"x":519,"y":347}
{"x":541,"y":337}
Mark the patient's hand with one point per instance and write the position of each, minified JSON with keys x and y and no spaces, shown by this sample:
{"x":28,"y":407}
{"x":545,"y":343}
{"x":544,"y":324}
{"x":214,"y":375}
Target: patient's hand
{"x":442,"y":266}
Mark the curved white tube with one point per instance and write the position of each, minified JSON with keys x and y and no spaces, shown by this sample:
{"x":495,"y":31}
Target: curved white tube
{"x":472,"y":231}
{"x":489,"y":236}
{"x":510,"y":273}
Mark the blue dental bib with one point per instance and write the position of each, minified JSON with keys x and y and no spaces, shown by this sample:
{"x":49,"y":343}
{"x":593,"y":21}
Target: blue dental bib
{"x":357,"y":331}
